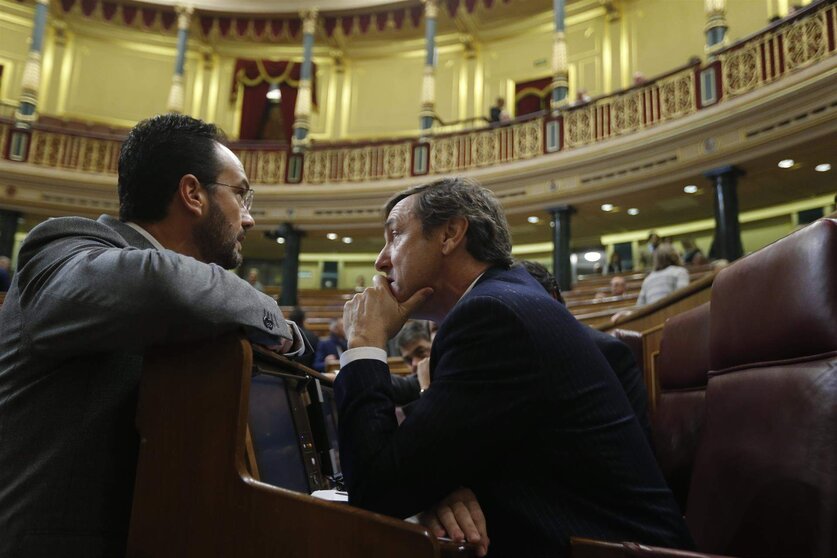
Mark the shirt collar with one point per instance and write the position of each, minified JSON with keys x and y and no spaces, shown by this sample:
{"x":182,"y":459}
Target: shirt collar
{"x":471,"y":286}
{"x":147,"y":235}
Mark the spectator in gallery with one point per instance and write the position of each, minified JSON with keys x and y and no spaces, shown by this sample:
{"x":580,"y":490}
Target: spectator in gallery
{"x":330,"y":349}
{"x":614,"y":264}
{"x":498,"y":112}
{"x":582,"y":97}
{"x":668,"y":276}
{"x":692,"y":255}
{"x":253,"y":279}
{"x":639,"y":78}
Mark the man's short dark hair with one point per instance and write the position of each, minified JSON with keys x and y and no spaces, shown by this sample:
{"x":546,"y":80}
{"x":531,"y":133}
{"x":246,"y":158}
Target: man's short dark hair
{"x":158,"y":152}
{"x":544,"y":277}
{"x":413,"y":330}
{"x":488,"y":238}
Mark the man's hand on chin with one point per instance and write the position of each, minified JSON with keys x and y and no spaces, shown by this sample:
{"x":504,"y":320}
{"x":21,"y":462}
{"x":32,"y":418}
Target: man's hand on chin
{"x":459,"y":517}
{"x":374,"y":316}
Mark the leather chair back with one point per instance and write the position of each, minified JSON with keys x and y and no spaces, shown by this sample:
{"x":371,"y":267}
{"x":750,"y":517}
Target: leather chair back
{"x":765,"y":475}
{"x":681,"y":370}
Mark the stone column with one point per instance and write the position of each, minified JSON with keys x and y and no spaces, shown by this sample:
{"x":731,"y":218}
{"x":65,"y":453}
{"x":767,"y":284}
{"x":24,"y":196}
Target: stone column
{"x":727,"y":227}
{"x":290,"y":265}
{"x":31,"y":83}
{"x":8,"y":228}
{"x":428,"y":83}
{"x":716,"y":24}
{"x":561,"y":266}
{"x":560,"y":71}
{"x":184,"y":20}
{"x":302,"y":111}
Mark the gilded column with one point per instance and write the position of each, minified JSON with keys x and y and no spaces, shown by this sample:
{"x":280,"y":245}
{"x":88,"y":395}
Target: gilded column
{"x":428,"y":83}
{"x":302,"y":111}
{"x":184,"y":20}
{"x":560,"y":71}
{"x":716,"y":24}
{"x":31,"y":83}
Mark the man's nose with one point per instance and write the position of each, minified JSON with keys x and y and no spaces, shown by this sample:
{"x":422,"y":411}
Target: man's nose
{"x":382,"y":261}
{"x":247,"y":221}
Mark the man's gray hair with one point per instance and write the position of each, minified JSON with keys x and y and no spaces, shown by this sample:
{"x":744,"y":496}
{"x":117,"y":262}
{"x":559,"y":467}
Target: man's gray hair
{"x":488,"y":238}
{"x":413,"y":330}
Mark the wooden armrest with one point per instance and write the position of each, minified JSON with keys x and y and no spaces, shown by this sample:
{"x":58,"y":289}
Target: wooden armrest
{"x":456,"y":550}
{"x":590,"y":548}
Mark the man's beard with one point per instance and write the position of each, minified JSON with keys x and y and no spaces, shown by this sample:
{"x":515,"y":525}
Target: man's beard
{"x":216,"y":239}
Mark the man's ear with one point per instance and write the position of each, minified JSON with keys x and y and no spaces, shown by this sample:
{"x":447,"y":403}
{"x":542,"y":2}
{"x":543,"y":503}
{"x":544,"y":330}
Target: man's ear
{"x":191,"y":195}
{"x":453,"y":234}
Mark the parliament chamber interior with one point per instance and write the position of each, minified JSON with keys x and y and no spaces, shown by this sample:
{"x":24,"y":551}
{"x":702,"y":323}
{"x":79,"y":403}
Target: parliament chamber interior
{"x":710,"y":125}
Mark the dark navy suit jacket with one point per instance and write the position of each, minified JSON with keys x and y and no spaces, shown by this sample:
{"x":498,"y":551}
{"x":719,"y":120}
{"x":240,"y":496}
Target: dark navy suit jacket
{"x":524,"y":410}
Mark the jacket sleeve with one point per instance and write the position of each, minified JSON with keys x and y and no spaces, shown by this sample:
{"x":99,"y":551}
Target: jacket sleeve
{"x":484,"y":375}
{"x":81,"y":291}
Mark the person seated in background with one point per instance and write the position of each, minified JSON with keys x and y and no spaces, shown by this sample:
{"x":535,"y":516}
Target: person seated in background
{"x":253,"y":279}
{"x":298,"y":317}
{"x":89,"y":299}
{"x":668,"y":276}
{"x":516,"y":381}
{"x":618,"y":355}
{"x":5,"y":274}
{"x":414,"y":344}
{"x":498,"y":112}
{"x":646,"y":256}
{"x":330,"y":349}
{"x":617,"y":288}
{"x":692,"y":255}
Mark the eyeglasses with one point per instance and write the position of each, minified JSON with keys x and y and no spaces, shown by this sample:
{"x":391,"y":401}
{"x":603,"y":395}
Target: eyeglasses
{"x":244,"y":195}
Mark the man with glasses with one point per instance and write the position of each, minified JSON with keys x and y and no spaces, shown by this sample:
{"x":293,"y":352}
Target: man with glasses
{"x":90,"y":297}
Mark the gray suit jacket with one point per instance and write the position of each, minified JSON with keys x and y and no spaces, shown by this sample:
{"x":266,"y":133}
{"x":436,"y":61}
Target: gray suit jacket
{"x":89,"y":298}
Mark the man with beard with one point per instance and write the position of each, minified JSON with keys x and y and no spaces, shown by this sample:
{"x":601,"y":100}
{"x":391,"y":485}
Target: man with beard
{"x":89,"y":298}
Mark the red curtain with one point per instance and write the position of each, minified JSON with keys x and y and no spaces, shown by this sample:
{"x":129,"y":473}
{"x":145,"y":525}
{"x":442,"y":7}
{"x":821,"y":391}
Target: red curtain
{"x":256,"y":116}
{"x":531,"y":96}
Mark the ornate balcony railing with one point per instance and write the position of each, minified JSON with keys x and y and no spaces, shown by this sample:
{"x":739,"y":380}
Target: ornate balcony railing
{"x":357,"y":163}
{"x":780,"y":49}
{"x":786,"y":46}
{"x":666,"y":98}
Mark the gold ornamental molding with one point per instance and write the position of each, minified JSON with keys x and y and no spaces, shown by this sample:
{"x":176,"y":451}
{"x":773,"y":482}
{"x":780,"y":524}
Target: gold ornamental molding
{"x":772,"y":90}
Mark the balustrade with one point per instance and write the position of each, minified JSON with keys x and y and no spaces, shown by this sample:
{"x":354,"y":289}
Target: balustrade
{"x":761,"y":59}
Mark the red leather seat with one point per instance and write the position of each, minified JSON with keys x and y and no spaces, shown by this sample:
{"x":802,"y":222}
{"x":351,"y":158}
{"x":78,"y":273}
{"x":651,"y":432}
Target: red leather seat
{"x":764,"y":480}
{"x":765,"y":476}
{"x":681,"y":370}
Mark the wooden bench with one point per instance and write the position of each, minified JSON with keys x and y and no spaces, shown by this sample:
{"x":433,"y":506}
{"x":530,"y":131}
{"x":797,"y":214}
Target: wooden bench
{"x":194,"y":495}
